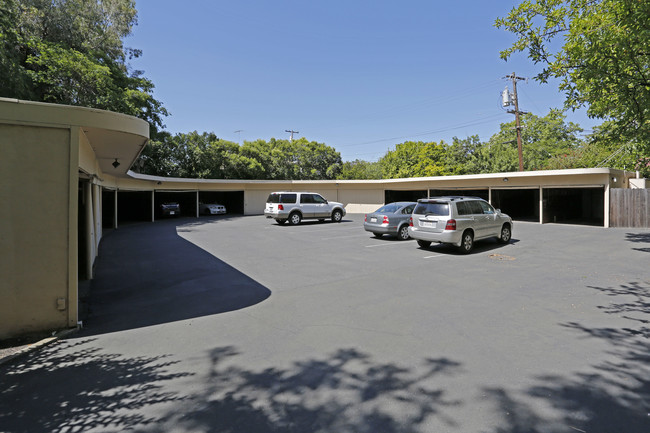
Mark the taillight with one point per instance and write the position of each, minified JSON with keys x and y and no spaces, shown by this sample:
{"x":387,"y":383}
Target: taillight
{"x":411,"y":222}
{"x":280,"y":207}
{"x":365,"y":218}
{"x":451,"y":225}
{"x":385,"y":221}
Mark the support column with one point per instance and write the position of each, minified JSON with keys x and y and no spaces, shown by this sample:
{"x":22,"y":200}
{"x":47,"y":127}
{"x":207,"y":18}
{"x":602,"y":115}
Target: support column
{"x":606,"y":214}
{"x":89,"y":229}
{"x":153,"y":206}
{"x":197,"y":203}
{"x":541,"y":205}
{"x":115,"y":210}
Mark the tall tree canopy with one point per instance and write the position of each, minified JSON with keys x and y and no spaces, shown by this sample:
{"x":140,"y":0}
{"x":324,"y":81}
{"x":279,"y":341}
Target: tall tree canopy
{"x":205,"y":156}
{"x":71,"y":52}
{"x":542,"y":139}
{"x":600,"y":52}
{"x":415,"y":159}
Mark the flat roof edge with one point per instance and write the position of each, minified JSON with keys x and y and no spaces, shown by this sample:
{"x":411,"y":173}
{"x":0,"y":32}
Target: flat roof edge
{"x":515,"y":174}
{"x":33,"y":112}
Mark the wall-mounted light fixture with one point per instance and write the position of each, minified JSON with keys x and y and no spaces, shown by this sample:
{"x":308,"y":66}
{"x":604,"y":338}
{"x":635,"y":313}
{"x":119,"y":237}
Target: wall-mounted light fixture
{"x":505,"y":179}
{"x":116,"y":163}
{"x":614,"y":179}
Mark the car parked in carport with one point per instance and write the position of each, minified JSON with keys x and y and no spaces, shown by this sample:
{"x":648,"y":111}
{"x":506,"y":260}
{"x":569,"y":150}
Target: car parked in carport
{"x":212,"y":209}
{"x":391,"y":219}
{"x":170,"y":209}
{"x":458,"y":221}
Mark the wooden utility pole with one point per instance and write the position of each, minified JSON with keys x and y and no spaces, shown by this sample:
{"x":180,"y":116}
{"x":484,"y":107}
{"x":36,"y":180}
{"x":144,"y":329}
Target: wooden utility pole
{"x":516,"y":112}
{"x":292,"y":132}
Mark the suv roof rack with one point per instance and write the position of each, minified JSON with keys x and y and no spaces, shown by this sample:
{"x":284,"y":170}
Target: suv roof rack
{"x":453,"y":197}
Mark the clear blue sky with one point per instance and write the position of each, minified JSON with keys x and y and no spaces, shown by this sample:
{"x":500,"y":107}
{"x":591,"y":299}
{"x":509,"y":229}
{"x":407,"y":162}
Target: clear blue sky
{"x":358,"y":75}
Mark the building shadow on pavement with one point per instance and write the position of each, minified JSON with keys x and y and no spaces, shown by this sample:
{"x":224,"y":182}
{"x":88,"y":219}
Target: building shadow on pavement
{"x":147,"y":275}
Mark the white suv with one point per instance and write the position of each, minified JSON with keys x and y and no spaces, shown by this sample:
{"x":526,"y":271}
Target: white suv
{"x":296,"y":206}
{"x":458,"y":221}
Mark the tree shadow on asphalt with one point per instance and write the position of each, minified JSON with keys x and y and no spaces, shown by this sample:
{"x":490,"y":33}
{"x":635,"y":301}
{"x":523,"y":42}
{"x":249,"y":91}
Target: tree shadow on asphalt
{"x":75,"y":386}
{"x":345,"y":392}
{"x":147,"y":275}
{"x":643,"y":238}
{"x":609,"y":396}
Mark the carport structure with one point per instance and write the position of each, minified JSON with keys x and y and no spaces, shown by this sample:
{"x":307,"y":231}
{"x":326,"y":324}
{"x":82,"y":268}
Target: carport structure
{"x":64,"y":178}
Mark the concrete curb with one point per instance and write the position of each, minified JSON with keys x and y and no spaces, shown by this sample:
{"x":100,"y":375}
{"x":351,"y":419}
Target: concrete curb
{"x":39,"y":344}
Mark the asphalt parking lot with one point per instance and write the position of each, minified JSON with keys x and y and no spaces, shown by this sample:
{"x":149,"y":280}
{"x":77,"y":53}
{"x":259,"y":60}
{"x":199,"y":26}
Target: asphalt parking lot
{"x":231,"y":324}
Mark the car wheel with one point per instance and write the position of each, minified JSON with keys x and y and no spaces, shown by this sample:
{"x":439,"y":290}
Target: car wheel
{"x":467,"y":242}
{"x":424,"y":244}
{"x":337,"y":216}
{"x":506,"y":234}
{"x":294,"y":219}
{"x":377,"y":235}
{"x":281,"y":221}
{"x":403,"y":233}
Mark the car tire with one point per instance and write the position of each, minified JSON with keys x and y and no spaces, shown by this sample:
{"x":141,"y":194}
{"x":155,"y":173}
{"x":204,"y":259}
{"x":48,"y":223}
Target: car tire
{"x":337,"y":216}
{"x":506,"y":234}
{"x":403,"y":233}
{"x":467,"y":242}
{"x":295,"y":218}
{"x":377,"y":235}
{"x":424,"y":244}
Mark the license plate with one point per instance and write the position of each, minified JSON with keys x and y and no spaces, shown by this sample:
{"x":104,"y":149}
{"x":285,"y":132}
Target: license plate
{"x":373,"y":220}
{"x":171,"y":212}
{"x":428,"y":224}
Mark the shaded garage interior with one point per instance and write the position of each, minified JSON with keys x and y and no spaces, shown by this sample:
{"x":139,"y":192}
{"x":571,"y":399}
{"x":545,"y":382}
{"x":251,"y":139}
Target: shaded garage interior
{"x":232,"y":200}
{"x":108,"y":208}
{"x":185,"y":199}
{"x":133,"y":206}
{"x":574,"y":205}
{"x":520,"y":204}
{"x":391,"y":196}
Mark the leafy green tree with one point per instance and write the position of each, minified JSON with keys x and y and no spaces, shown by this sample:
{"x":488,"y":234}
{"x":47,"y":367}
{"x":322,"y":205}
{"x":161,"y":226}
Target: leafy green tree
{"x":204,"y":155}
{"x":543,"y":138}
{"x":600,"y":52}
{"x":464,"y":156}
{"x":415,"y":159}
{"x":359,"y":169}
{"x":71,"y":52}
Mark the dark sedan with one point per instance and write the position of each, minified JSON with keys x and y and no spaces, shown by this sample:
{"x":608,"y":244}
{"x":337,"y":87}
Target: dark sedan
{"x":170,"y":209}
{"x":391,"y":219}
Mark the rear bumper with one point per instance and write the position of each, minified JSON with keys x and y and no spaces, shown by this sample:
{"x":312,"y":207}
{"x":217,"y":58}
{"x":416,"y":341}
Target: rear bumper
{"x":383,"y":229}
{"x":444,"y":237}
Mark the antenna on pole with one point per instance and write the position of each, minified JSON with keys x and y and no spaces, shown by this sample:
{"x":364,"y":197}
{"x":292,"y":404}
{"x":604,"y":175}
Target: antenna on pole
{"x":507,"y":100}
{"x":292,"y":132}
{"x":238,"y":132}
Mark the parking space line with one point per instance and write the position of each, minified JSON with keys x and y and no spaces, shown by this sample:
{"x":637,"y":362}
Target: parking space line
{"x":384,"y":244}
{"x":431,"y":257}
{"x":344,"y":237}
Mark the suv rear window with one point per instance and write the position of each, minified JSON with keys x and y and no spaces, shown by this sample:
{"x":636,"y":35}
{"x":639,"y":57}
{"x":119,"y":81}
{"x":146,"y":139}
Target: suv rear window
{"x":281,"y":198}
{"x":437,"y":208}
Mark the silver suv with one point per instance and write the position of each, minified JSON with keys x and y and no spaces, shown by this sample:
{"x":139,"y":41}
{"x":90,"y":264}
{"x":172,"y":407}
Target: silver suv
{"x":296,"y":206}
{"x":458,"y":221}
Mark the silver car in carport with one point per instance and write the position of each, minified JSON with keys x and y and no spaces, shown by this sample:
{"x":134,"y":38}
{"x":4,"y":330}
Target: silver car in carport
{"x":391,"y":219}
{"x":458,"y":221}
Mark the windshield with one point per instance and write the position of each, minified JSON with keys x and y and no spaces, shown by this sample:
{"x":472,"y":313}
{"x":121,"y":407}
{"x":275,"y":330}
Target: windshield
{"x":432,"y":208}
